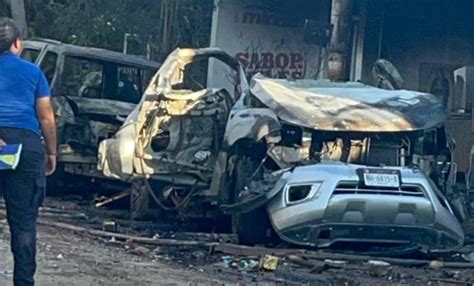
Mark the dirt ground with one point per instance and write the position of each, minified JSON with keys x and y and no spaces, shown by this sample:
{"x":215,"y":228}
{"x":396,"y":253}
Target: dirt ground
{"x":67,"y":258}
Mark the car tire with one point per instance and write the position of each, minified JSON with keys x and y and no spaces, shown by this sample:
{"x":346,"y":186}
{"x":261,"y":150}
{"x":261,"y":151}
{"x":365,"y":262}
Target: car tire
{"x":251,"y":227}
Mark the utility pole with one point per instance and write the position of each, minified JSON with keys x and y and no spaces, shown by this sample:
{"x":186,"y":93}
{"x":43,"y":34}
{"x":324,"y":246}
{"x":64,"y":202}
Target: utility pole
{"x":19,"y":15}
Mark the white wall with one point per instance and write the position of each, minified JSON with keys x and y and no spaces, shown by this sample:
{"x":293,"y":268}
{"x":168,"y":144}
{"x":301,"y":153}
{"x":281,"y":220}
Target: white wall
{"x":269,"y":43}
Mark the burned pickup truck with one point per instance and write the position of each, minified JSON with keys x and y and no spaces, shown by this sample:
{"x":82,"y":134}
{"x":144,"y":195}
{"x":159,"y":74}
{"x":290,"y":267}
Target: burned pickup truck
{"x":315,"y":162}
{"x":93,"y":92}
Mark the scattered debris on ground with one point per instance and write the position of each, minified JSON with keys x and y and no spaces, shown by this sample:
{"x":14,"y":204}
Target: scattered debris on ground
{"x":78,"y":248}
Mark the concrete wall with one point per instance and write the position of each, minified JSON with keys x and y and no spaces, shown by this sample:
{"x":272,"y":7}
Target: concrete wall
{"x":424,"y":39}
{"x":268,"y":35}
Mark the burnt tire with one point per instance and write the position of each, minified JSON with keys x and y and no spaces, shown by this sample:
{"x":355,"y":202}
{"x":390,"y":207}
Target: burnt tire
{"x":139,"y":199}
{"x":251,"y":227}
{"x":459,"y":207}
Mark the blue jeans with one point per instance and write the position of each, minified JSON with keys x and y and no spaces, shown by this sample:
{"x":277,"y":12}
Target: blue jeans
{"x":23,"y":190}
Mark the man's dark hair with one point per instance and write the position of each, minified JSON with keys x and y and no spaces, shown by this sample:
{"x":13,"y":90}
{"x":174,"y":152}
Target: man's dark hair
{"x":9,"y":33}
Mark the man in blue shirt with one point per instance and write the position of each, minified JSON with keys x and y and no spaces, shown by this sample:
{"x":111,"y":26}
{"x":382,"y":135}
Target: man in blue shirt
{"x":26,"y":117}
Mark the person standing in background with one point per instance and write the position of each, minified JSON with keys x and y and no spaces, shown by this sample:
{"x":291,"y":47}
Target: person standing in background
{"x":25,"y":116}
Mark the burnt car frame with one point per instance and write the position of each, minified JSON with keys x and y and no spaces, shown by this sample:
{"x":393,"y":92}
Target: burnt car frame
{"x":93,"y":90}
{"x":178,"y":126}
{"x":272,"y":142}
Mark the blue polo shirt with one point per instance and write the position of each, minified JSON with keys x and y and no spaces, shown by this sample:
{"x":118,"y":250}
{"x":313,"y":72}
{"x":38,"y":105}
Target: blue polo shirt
{"x":21,"y":84}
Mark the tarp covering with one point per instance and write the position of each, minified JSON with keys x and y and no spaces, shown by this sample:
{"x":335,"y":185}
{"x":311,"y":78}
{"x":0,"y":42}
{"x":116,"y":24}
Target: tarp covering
{"x":351,"y":106}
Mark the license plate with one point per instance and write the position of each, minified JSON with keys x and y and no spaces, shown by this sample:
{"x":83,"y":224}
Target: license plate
{"x":381,"y":178}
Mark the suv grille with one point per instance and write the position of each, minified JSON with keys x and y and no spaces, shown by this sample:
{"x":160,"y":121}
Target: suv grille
{"x":354,"y":188}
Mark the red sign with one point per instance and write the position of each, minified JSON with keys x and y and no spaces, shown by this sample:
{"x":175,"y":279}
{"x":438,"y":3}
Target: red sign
{"x":277,"y":65}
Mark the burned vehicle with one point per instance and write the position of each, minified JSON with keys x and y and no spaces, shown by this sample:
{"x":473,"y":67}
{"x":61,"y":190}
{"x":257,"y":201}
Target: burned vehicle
{"x":93,"y":91}
{"x":174,"y":135}
{"x":315,"y":162}
{"x":371,"y":167}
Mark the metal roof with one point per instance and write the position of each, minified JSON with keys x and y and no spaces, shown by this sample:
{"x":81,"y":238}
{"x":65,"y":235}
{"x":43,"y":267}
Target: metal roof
{"x":95,"y":53}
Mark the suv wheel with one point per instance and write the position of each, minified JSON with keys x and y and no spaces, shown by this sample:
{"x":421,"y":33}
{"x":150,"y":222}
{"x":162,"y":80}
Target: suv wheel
{"x":251,"y":227}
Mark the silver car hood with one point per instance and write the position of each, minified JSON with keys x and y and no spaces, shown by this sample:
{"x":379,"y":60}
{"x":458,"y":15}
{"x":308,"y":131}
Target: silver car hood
{"x":351,"y":106}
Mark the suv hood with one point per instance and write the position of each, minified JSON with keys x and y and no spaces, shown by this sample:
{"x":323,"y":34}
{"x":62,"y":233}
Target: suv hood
{"x":350,"y":106}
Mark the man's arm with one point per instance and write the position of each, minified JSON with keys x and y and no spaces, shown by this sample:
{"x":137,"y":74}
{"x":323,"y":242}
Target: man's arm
{"x":45,"y":114}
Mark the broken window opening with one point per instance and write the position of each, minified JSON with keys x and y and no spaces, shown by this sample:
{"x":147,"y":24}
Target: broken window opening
{"x":48,"y":65}
{"x":129,"y":84}
{"x":83,"y":77}
{"x":30,"y":55}
{"x":96,"y":79}
{"x":193,"y":75}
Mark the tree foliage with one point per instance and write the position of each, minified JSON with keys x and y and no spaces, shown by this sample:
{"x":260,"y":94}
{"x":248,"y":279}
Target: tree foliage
{"x":5,"y":8}
{"x":161,"y":24}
